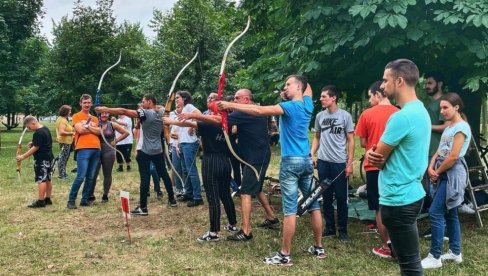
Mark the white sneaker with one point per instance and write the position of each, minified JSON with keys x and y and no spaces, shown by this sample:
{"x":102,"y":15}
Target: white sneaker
{"x":465,"y":209}
{"x":429,"y":236}
{"x":449,"y":256}
{"x":431,"y":262}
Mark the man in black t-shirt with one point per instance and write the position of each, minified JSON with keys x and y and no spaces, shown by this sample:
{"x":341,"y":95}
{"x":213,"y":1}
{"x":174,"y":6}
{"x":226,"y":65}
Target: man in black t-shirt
{"x":41,"y":148}
{"x":253,"y":147}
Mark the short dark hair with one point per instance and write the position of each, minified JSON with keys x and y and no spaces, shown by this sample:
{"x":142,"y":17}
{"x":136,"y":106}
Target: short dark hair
{"x":375,"y":88}
{"x":185,"y":95}
{"x":300,"y":79}
{"x":85,"y":97}
{"x":150,"y":97}
{"x":406,"y":69}
{"x":437,"y":76}
{"x":64,"y":110}
{"x":331,"y":91}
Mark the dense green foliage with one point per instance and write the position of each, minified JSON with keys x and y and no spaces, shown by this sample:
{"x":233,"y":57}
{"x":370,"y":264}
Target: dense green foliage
{"x":345,"y":42}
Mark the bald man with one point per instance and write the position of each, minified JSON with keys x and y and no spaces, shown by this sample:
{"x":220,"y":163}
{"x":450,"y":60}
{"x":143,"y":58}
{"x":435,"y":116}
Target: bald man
{"x":253,"y":147}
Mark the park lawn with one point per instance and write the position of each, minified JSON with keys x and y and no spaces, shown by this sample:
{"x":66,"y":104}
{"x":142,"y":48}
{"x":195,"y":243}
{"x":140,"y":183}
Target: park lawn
{"x":93,"y":240}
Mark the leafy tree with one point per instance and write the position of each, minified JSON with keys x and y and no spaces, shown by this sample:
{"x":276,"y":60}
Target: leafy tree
{"x":208,"y":26}
{"x":348,"y":42}
{"x":17,"y":24}
{"x":84,"y":46}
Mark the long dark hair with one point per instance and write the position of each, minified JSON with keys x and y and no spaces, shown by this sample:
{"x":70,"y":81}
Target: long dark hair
{"x":454,"y":99}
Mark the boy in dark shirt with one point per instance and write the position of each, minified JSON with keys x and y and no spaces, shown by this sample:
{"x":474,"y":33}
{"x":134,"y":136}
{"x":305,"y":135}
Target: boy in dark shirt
{"x":41,"y":148}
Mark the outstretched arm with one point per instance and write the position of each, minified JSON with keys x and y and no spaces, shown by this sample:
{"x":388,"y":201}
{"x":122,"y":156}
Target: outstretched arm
{"x":168,"y":121}
{"x":117,"y":111}
{"x":211,"y":119}
{"x":256,"y":110}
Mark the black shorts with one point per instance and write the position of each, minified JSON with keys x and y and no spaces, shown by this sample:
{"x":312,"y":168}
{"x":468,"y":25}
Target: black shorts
{"x":372,"y":190}
{"x":249,"y":184}
{"x":42,"y":170}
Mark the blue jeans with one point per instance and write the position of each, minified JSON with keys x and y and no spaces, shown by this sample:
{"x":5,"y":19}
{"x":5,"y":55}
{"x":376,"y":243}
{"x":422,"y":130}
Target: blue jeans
{"x":192,"y":182}
{"x":86,"y":162}
{"x":401,"y":223}
{"x":439,"y":217}
{"x":177,"y":164}
{"x":329,"y":170}
{"x":295,"y":173}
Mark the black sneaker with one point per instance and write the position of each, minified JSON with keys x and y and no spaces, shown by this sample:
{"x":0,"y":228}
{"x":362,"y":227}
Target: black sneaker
{"x":194,"y":203}
{"x":328,"y":233}
{"x":120,"y":169}
{"x":159,"y":196}
{"x":37,"y":204}
{"x":139,"y":211}
{"x":207,"y":237}
{"x":270,"y":224}
{"x":71,"y":205}
{"x":172,"y":203}
{"x":343,"y":236}
{"x":240,"y":236}
{"x":185,"y":198}
{"x":104,"y":198}
{"x":91,"y":198}
{"x":47,"y":201}
{"x":87,"y":203}
{"x":74,"y":170}
{"x":128,"y":168}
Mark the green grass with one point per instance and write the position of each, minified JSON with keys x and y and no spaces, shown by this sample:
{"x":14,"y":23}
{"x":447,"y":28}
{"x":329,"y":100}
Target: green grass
{"x":93,"y":240}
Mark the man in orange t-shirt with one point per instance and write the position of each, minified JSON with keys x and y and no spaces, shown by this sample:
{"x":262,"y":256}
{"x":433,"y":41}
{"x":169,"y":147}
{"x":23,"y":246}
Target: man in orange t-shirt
{"x":370,"y":127}
{"x":87,"y":146}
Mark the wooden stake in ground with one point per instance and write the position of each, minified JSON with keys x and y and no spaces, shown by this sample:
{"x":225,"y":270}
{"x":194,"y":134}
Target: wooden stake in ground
{"x":124,"y":200}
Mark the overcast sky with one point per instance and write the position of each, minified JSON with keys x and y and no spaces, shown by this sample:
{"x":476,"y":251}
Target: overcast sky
{"x":130,"y":10}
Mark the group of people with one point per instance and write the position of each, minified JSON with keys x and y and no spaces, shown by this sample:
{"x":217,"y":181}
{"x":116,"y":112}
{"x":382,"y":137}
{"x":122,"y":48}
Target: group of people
{"x":396,"y":161}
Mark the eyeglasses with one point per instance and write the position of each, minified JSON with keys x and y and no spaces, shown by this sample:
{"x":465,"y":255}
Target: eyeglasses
{"x":240,"y":97}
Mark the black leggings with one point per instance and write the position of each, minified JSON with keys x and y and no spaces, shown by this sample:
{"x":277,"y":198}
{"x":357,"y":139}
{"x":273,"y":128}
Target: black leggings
{"x":216,"y":170}
{"x":401,"y":223}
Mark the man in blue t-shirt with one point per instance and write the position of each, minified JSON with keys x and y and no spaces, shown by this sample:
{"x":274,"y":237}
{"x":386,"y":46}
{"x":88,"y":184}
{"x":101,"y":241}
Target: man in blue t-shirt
{"x":401,"y":157}
{"x":296,"y":168}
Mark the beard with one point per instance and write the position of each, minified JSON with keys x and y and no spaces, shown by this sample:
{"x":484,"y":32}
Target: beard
{"x":391,"y":96}
{"x":433,"y":91}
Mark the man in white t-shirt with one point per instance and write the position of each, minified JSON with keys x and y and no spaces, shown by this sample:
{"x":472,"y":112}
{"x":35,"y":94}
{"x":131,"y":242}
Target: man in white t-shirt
{"x":124,"y":146}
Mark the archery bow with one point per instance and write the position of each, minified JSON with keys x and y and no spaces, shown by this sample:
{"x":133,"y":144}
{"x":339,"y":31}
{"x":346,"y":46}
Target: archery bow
{"x":19,"y":151}
{"x":220,"y":93}
{"x":167,"y":109}
{"x":97,"y":103}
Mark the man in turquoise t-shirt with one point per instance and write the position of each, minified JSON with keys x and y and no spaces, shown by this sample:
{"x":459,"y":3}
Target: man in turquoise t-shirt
{"x":296,"y":168}
{"x":402,"y":158}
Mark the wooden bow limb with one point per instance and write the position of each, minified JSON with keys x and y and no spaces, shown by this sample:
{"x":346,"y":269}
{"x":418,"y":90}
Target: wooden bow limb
{"x":167,"y":110}
{"x":98,"y":103}
{"x":220,"y":92}
{"x":18,"y":152}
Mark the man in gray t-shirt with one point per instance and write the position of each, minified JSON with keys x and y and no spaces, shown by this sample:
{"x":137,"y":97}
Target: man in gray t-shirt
{"x":152,"y":126}
{"x":334,"y":140}
{"x":151,"y":151}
